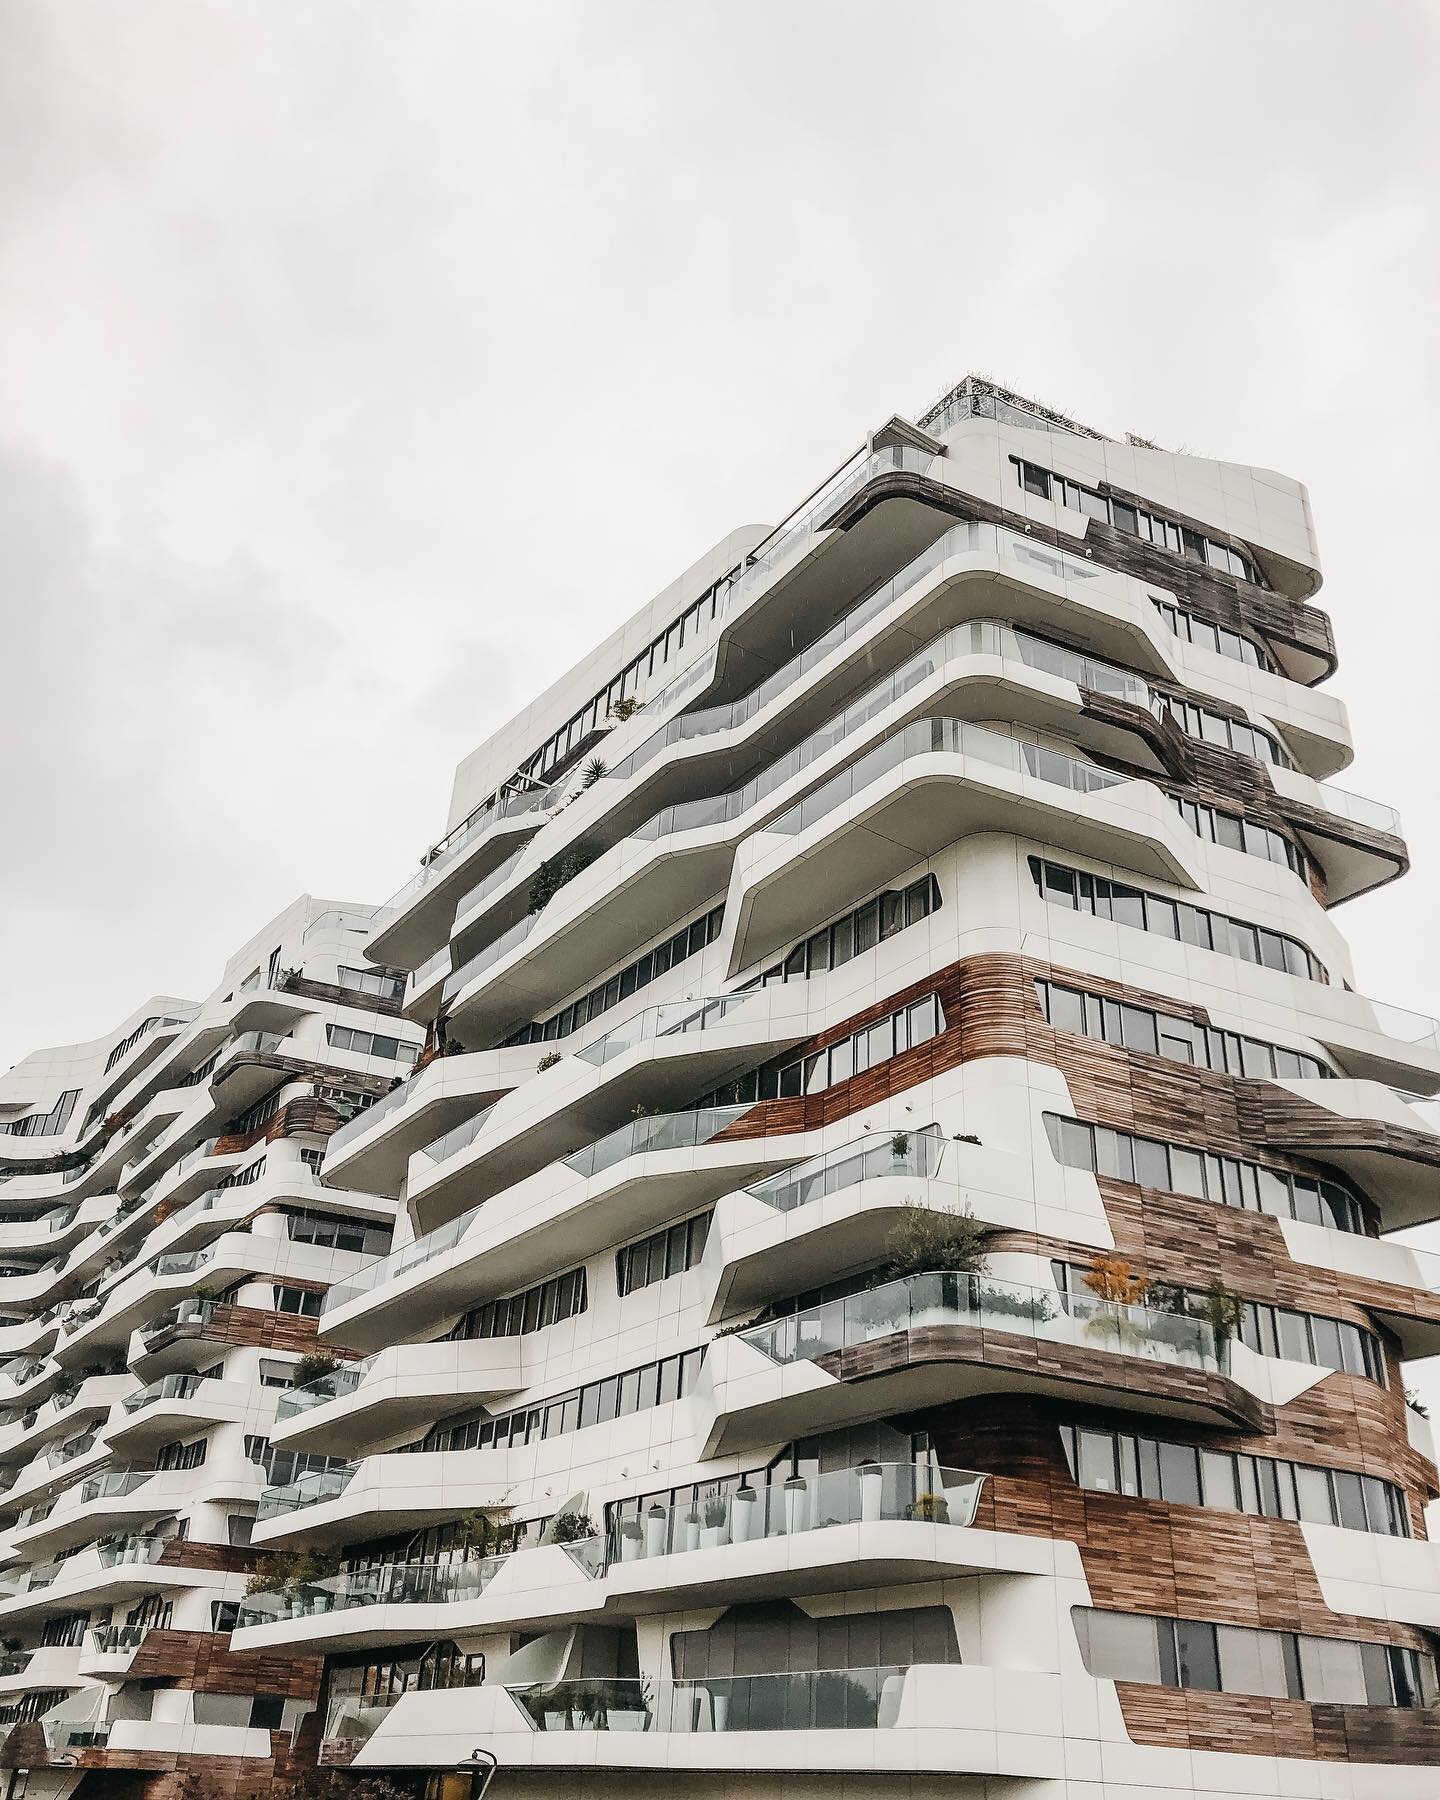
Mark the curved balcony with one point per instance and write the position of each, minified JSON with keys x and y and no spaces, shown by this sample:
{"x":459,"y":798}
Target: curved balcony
{"x":657,"y":1059}
{"x":930,"y":1339}
{"x":818,"y":1220}
{"x":681,"y":856}
{"x":179,"y":1403}
{"x":920,"y":789}
{"x":149,"y":1291}
{"x":406,"y":1386}
{"x":407,"y":927}
{"x":945,"y":1719}
{"x":633,"y":1180}
{"x":370,"y":1153}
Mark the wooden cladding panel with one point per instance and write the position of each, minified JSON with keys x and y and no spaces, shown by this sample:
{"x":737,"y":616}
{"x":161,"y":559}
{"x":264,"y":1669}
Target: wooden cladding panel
{"x":1237,"y":605}
{"x":204,"y":1661}
{"x":1065,"y":1363}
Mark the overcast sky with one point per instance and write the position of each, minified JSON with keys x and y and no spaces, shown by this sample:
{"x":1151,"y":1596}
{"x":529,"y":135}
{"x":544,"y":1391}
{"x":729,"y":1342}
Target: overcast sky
{"x":361,"y":365}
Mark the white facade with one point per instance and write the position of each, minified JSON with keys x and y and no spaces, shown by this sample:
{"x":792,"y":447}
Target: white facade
{"x":967,"y":846}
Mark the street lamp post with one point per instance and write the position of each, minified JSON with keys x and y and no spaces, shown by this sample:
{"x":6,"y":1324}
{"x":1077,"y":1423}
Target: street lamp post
{"x":482,"y":1765}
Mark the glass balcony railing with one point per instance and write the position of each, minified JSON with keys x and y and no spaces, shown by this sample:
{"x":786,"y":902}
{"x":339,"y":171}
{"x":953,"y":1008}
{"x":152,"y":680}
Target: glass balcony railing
{"x":665,"y":1131}
{"x":357,"y":1126}
{"x":194,"y":1314}
{"x":801,"y":1700}
{"x":919,"y":1155}
{"x":68,"y":1453}
{"x":953,"y":737}
{"x":169,"y":1387}
{"x":198,"y":1154}
{"x":343,"y":1380}
{"x":15,"y":1662}
{"x":451,"y":1143}
{"x":644,"y":1137}
{"x":449,"y":849}
{"x":1425,"y":1108}
{"x":963,"y":539}
{"x":115,"y":1640}
{"x":114,"y":1484}
{"x":309,"y":1490}
{"x":976,"y":1301}
{"x":674,"y":1020}
{"x":354,"y":1718}
{"x":477,"y":896}
{"x":862,"y":1495}
{"x":139,"y":1550}
{"x":492,"y":953}
{"x":398,"y":1584}
{"x":92,"y":1735}
{"x":1358,"y":810}
{"x":400,"y":1262}
{"x":253,"y":1043}
{"x":182,"y":1262}
{"x":1406,"y":1027}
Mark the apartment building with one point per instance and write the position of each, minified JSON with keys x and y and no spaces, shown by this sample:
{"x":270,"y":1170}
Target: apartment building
{"x":894,"y":1183}
{"x":167,"y":1247}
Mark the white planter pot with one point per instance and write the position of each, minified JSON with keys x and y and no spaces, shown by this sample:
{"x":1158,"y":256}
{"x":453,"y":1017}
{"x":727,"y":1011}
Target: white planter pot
{"x":720,"y":1709}
{"x":797,"y":1505}
{"x":655,"y":1534}
{"x":631,"y":1545}
{"x":872,"y":1486}
{"x":742,"y":1514}
{"x":692,"y":1534}
{"x":711,"y":1537}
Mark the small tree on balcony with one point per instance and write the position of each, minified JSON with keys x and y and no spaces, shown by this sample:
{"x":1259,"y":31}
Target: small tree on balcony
{"x":1114,"y":1279}
{"x":314,"y":1366}
{"x":924,"y":1240}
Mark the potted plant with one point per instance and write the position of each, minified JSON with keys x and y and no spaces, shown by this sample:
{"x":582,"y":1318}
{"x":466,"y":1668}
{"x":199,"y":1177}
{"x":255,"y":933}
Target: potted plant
{"x":926,"y":1242}
{"x":623,"y":709}
{"x":632,"y":1540}
{"x":571,"y":1528}
{"x":692,"y":1529}
{"x":314,"y":1366}
{"x":595,"y":770}
{"x":715,"y":1514}
{"x":547,"y":1061}
{"x":1223,"y":1311}
{"x":1119,"y":1287}
{"x":797,"y":1496}
{"x":872,"y":1491}
{"x":900,"y":1145}
{"x":742,"y":1512}
{"x":932,"y":1508}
